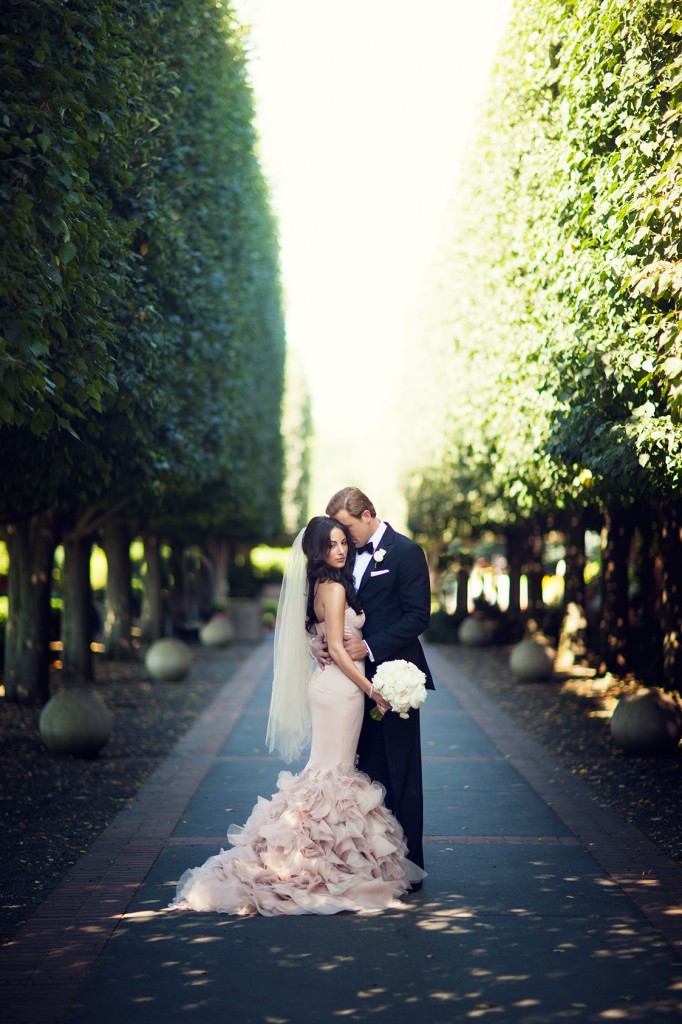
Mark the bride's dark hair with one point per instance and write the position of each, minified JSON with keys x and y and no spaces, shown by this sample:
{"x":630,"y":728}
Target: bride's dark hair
{"x":316,"y":544}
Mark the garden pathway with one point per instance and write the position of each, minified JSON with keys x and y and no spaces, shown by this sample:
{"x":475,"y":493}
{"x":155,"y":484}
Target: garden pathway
{"x":541,"y":906}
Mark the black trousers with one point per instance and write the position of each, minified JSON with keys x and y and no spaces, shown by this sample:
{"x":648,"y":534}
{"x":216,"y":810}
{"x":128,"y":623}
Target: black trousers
{"x":390,"y":753}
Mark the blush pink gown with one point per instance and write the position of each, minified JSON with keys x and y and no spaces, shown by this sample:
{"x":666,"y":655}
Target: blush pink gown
{"x":324,"y":842}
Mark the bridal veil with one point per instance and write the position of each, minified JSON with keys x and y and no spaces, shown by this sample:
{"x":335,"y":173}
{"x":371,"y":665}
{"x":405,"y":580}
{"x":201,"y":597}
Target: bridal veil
{"x":288,"y":729}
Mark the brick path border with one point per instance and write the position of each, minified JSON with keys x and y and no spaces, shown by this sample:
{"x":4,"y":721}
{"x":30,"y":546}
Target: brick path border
{"x":44,"y":966}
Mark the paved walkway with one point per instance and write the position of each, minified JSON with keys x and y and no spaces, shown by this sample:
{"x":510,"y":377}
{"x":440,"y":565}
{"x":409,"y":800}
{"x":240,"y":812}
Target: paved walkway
{"x":541,"y":906}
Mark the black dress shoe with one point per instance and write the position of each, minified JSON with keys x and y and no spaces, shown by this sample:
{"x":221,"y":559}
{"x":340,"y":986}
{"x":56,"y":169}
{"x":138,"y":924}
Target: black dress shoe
{"x":415,"y":886}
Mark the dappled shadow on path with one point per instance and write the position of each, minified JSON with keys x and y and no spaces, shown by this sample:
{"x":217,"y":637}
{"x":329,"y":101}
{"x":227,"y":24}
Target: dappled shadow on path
{"x":526,"y":942}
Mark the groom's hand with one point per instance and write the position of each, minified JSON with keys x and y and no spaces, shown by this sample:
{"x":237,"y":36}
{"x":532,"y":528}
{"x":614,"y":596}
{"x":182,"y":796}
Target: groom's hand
{"x":355,"y":647}
{"x":318,"y":649}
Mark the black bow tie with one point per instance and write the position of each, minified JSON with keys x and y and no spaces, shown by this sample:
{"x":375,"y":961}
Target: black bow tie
{"x":365,"y":547}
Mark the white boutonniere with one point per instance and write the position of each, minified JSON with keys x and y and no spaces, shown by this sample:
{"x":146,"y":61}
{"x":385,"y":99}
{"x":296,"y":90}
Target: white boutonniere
{"x":379,"y":555}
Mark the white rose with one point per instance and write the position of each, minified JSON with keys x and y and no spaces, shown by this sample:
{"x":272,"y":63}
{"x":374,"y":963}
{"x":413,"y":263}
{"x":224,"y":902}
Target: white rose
{"x":379,"y":555}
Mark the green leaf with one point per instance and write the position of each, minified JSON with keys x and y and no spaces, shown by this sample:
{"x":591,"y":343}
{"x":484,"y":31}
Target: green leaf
{"x":66,"y":252}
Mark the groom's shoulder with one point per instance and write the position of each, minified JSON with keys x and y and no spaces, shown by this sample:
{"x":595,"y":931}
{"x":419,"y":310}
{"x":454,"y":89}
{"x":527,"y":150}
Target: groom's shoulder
{"x":400,"y":540}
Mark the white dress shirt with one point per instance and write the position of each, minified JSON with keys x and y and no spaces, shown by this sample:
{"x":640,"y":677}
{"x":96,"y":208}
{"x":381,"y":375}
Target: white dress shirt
{"x":363,"y":560}
{"x":361,"y":563}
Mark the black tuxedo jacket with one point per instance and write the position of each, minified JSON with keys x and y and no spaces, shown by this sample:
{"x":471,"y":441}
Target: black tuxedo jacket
{"x":395,"y":595}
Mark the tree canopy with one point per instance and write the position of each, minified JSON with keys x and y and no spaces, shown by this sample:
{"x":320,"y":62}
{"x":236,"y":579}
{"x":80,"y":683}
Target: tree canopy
{"x":554,"y":316}
{"x":142,"y":340}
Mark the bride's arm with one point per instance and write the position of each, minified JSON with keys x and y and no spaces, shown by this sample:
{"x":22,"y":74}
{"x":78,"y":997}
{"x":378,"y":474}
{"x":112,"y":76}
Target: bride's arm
{"x":332,"y":596}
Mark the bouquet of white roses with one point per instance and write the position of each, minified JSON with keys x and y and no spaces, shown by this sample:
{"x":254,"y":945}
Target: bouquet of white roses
{"x":402,"y":684}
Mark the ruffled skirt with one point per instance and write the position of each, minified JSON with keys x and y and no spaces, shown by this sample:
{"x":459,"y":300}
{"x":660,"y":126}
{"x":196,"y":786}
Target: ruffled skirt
{"x":322,"y":844}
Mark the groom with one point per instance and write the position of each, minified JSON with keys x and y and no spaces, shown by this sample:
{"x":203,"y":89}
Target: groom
{"x":392,"y":580}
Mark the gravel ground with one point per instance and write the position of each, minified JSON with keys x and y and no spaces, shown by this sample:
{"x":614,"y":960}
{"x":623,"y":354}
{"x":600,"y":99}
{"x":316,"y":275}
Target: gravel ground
{"x":52,"y":807}
{"x":570,"y":717}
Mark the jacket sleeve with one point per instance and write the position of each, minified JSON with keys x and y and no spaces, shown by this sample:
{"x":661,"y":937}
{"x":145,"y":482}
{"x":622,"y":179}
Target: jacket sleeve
{"x":414,"y":595}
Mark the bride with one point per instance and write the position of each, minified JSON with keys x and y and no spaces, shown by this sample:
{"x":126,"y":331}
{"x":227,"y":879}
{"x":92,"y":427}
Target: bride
{"x":325,"y":842}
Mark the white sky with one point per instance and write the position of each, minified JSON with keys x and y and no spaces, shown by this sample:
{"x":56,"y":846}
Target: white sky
{"x":364,"y":108}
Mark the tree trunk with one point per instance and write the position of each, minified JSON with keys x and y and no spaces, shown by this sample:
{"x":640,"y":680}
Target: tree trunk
{"x":616,"y":541}
{"x":118,"y":614}
{"x":573,"y":635}
{"x":514,"y":561}
{"x":77,"y":612}
{"x":205,"y":588}
{"x":219,"y":553}
{"x":671,"y":559}
{"x":534,"y":564}
{"x":178,"y":599}
{"x":462,"y":608}
{"x":30,"y":545}
{"x":574,"y":581}
{"x":152,"y":584}
{"x":646,"y":559}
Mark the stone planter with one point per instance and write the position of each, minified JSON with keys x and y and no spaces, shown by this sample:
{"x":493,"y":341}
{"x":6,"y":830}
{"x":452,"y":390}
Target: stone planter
{"x":473,"y":632}
{"x":646,"y":722}
{"x":168,"y":660}
{"x":218,"y":632}
{"x":531,"y":662}
{"x":246,"y":615}
{"x":76,"y":722}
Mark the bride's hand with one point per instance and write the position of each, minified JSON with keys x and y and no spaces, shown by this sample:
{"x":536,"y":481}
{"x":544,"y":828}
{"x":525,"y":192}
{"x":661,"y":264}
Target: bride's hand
{"x":382,"y":704}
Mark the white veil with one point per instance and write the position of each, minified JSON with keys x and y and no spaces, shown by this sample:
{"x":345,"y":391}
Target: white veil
{"x":289,"y":721}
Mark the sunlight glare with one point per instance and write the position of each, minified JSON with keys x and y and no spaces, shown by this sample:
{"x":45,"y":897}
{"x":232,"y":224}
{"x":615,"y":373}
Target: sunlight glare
{"x":362,"y":167}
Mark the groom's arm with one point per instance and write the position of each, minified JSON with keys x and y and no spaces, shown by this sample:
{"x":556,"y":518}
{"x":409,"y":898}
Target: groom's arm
{"x":414,"y":596}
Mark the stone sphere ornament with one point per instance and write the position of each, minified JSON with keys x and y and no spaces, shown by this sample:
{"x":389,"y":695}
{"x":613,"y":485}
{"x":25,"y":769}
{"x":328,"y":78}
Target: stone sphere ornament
{"x":168,"y":660}
{"x":531,"y":662}
{"x":647,"y":721}
{"x":218,"y":632}
{"x":473,"y":632}
{"x":75,"y":721}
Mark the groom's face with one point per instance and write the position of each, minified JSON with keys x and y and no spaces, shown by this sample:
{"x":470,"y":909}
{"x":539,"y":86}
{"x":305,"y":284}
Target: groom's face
{"x":359,"y":529}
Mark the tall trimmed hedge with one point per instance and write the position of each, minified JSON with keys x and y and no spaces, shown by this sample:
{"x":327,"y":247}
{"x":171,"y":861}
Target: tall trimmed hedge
{"x":558,"y":286}
{"x":142,"y":339}
{"x":68,"y":97}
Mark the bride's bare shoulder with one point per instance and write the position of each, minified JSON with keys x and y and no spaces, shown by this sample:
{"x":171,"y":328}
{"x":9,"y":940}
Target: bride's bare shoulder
{"x":328,"y":584}
{"x":330,"y":593}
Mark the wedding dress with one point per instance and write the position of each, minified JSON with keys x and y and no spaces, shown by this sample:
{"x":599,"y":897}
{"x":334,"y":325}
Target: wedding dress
{"x":325,"y":842}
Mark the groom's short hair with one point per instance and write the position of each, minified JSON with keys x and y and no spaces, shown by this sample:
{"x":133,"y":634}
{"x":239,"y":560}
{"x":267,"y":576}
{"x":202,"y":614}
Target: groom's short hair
{"x":352,"y":500}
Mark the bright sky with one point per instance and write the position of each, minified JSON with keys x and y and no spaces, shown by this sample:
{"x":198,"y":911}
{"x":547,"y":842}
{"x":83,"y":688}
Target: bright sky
{"x":364,"y":109}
